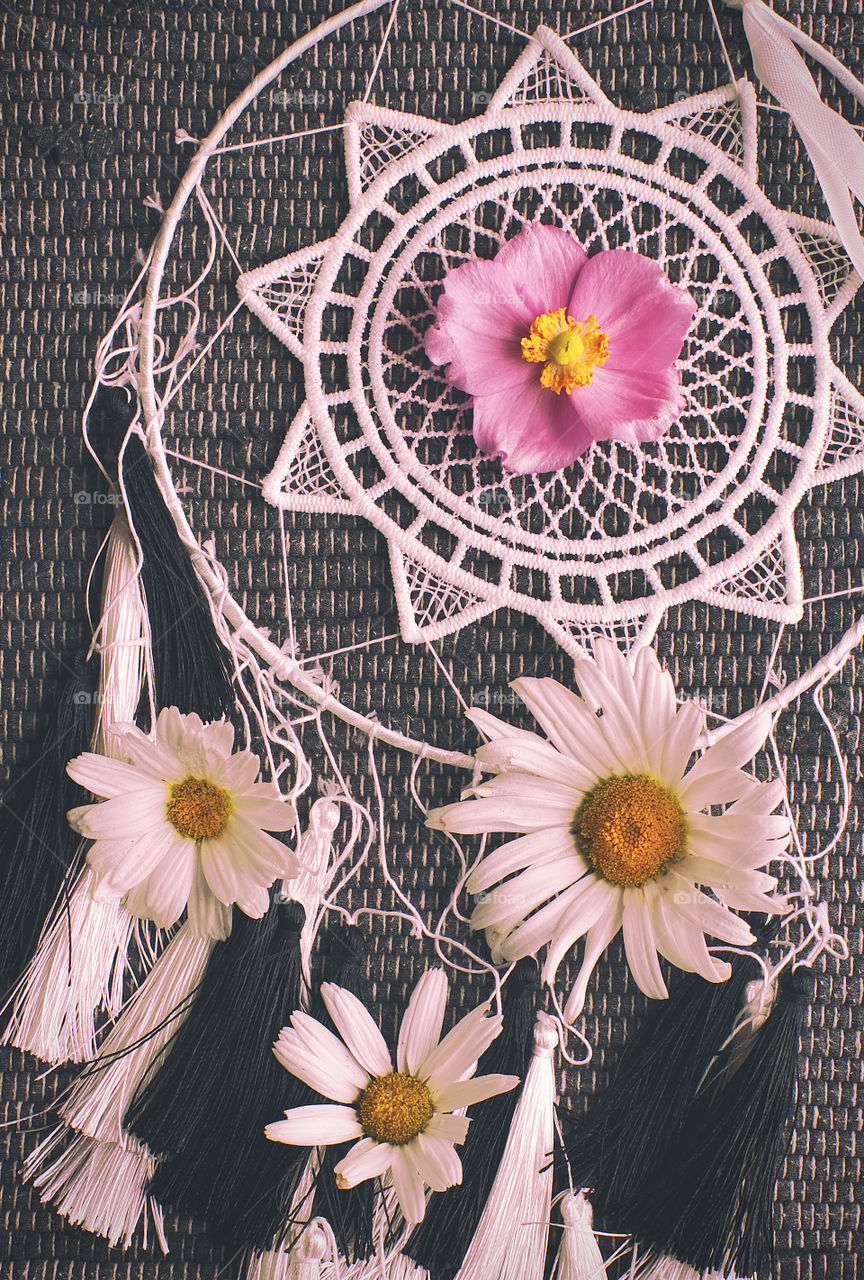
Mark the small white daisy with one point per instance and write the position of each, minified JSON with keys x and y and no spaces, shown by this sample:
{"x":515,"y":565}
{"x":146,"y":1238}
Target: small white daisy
{"x":403,"y":1117}
{"x":184,"y":824}
{"x":616,"y":833}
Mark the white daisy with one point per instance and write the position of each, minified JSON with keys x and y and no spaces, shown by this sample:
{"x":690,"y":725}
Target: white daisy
{"x":402,"y":1118}
{"x":615,"y":833}
{"x":184,"y":824}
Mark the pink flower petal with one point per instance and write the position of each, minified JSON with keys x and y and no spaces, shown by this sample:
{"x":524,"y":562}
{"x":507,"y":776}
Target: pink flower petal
{"x":645,"y":316}
{"x":487,"y":308}
{"x":479,"y":329}
{"x":530,"y":427}
{"x":628,"y":405}
{"x":542,"y":263}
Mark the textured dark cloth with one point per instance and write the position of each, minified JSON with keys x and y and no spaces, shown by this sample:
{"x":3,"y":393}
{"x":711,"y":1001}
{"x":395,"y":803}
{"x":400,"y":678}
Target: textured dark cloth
{"x":94,"y":96}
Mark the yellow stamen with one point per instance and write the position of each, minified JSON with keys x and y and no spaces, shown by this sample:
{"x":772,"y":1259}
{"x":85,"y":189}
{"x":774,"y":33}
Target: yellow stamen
{"x":394,"y":1108}
{"x":198,"y":809}
{"x":630,"y":829}
{"x":569,"y":349}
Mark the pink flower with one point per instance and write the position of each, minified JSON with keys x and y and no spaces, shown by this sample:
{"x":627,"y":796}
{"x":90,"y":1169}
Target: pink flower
{"x":559,"y":349}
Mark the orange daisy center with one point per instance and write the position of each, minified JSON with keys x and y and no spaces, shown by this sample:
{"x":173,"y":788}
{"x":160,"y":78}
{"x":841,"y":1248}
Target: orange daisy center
{"x":569,"y":350}
{"x":630,"y":828}
{"x":394,"y":1108}
{"x":198,"y":809}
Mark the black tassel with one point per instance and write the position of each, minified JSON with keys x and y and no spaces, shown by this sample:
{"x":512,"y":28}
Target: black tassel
{"x":710,"y":1202}
{"x":442,"y":1239}
{"x":635,"y":1121}
{"x":192,"y":669}
{"x":37,"y":845}
{"x":350,"y":1213}
{"x":206,"y":1107}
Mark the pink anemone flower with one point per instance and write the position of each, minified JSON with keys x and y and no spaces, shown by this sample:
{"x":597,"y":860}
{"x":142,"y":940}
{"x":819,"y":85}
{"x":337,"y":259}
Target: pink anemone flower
{"x":559,"y":350}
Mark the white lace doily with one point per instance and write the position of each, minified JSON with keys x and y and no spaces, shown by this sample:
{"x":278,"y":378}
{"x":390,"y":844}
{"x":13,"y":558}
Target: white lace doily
{"x":610,"y":543}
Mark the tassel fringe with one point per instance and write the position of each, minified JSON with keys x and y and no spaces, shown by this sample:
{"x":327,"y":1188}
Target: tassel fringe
{"x":511,"y":1238}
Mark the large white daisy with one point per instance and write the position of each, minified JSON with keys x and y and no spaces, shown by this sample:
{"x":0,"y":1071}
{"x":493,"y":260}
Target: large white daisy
{"x":184,"y":824}
{"x":402,"y":1117}
{"x":616,"y":833}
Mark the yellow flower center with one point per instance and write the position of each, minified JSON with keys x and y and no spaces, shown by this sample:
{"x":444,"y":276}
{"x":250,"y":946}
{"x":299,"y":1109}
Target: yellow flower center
{"x":630,"y":828}
{"x":394,"y":1108}
{"x":569,"y":349}
{"x":198,"y":809}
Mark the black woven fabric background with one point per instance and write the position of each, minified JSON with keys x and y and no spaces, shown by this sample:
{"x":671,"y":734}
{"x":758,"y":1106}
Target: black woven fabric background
{"x":94,"y":94}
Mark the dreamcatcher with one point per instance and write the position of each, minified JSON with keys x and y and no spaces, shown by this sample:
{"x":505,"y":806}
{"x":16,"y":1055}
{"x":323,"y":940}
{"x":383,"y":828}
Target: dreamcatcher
{"x":193,"y":925}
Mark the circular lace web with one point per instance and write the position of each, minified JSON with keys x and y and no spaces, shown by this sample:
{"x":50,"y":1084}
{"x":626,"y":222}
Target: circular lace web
{"x":623,"y":532}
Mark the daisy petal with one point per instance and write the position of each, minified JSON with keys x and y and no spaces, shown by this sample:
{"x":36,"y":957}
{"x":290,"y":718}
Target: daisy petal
{"x":408,"y":1185}
{"x":597,"y":939}
{"x":267,"y":812}
{"x":258,"y":854}
{"x":207,"y":916}
{"x":457,"y":1054}
{"x":640,"y":946}
{"x":527,"y":938}
{"x":617,"y":723}
{"x":125,"y":817}
{"x":491,"y":727}
{"x":162,"y":897}
{"x":319,"y":1058}
{"x":319,"y":1125}
{"x":475,"y":817}
{"x":453,"y":1128}
{"x":358,"y":1029}
{"x":464,"y":1093}
{"x":655,"y":692}
{"x":708,"y":789}
{"x":103,"y":776}
{"x":721,"y":876}
{"x":420,"y":1029}
{"x":598,"y":899}
{"x":366,"y":1159}
{"x":535,"y":850}
{"x":517,"y":755}
{"x":238,"y":773}
{"x":505,"y":906}
{"x":122,"y":864}
{"x":711,"y":917}
{"x":436,"y":1161}
{"x":614,"y":666}
{"x":736,"y":748}
{"x":569,"y":723}
{"x":562,"y":797}
{"x":679,"y":744}
{"x":238,"y":861}
{"x":218,"y":737}
{"x":681,"y":942}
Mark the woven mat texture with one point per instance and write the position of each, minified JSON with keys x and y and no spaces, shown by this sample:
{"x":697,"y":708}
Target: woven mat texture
{"x":93,"y":95}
